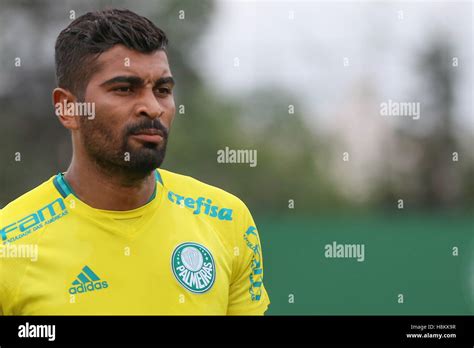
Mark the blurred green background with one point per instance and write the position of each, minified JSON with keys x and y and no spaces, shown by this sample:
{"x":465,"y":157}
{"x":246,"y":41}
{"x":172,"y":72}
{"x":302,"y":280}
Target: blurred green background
{"x":302,"y":194}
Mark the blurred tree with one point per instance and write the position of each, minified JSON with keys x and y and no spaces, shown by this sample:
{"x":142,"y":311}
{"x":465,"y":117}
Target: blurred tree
{"x":291,"y":161}
{"x":285,"y":147}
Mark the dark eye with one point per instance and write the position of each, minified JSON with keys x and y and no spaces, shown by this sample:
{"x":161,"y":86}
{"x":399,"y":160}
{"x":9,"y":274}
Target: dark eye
{"x":124,"y":89}
{"x":163,"y":90}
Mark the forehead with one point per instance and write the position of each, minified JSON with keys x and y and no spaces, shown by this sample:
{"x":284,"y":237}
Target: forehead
{"x":120,"y":60}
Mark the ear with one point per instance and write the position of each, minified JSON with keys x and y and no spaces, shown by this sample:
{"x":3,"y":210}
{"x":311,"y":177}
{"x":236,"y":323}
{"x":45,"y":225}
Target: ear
{"x":62,"y":98}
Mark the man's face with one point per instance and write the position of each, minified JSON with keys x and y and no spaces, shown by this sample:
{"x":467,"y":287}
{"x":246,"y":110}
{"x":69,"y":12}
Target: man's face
{"x":134,"y":110}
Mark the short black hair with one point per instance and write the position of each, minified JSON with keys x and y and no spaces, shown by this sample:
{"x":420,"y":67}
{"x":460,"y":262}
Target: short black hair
{"x":93,"y":33}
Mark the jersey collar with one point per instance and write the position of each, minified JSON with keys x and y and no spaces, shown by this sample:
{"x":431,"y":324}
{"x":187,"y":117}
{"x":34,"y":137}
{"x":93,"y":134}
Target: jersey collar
{"x":65,"y":189}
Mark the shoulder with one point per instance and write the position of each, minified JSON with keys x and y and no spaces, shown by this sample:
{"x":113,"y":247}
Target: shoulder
{"x":32,"y":207}
{"x":35,"y":196}
{"x":18,"y":219}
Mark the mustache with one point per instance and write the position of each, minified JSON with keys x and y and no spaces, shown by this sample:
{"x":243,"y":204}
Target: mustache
{"x":147,"y":124}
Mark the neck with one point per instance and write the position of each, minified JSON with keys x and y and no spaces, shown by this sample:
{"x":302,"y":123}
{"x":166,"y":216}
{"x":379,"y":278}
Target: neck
{"x":102,"y":189}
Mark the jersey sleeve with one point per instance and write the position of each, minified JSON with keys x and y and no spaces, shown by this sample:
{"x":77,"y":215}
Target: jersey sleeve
{"x":2,"y":296}
{"x":2,"y":266}
{"x":2,"y":290}
{"x":247,"y":294}
{"x":11,"y":271}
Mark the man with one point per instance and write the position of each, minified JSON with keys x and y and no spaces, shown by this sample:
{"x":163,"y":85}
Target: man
{"x":114,"y":234}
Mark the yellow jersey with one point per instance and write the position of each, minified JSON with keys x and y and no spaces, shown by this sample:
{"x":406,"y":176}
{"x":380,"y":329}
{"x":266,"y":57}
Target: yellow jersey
{"x":193,"y":249}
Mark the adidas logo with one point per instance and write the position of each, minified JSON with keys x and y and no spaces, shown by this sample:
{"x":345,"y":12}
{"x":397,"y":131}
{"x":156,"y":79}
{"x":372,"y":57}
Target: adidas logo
{"x":86,"y":281}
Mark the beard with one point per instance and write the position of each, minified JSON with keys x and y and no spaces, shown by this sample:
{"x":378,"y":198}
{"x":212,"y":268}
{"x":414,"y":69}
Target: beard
{"x":117,"y":155}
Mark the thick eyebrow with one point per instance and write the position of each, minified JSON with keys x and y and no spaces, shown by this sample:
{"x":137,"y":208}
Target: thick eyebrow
{"x":138,"y":81}
{"x":165,"y":80}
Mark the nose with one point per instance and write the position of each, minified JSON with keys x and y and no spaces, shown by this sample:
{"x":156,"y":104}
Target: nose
{"x":149,"y":105}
